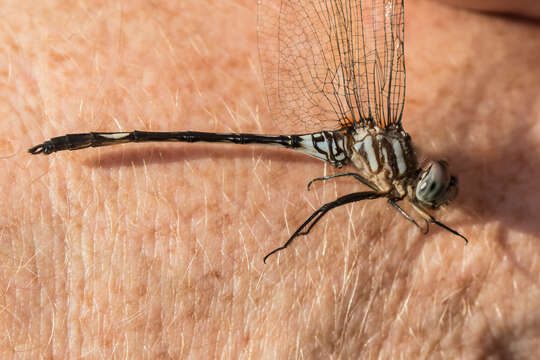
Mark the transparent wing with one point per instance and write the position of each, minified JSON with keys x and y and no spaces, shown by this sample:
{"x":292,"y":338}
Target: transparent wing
{"x":333,"y":63}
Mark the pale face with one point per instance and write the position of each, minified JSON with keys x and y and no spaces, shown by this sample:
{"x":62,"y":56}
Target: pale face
{"x":436,"y":186}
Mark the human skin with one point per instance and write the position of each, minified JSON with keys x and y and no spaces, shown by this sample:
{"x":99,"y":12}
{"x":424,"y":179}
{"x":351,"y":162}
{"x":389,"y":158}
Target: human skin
{"x":155,"y":250}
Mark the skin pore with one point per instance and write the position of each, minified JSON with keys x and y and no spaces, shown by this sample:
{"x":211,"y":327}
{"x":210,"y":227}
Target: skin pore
{"x":155,"y":250}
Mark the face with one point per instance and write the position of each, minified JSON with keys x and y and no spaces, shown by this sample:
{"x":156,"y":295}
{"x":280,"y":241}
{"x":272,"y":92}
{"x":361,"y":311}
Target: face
{"x":435,"y":185}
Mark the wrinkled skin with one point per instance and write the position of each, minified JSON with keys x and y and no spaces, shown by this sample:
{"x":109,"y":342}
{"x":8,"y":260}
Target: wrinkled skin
{"x":156,"y":250}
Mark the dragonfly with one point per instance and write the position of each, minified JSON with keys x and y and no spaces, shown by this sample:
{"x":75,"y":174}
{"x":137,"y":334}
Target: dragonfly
{"x":335,"y":68}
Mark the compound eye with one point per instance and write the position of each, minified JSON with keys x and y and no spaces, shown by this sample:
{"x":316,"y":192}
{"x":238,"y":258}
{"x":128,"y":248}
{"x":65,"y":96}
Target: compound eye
{"x":433,"y":184}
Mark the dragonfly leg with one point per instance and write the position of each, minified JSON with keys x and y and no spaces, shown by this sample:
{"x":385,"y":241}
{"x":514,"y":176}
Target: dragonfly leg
{"x":306,"y":227}
{"x":393,"y":202}
{"x":430,"y":219}
{"x":354,"y":175}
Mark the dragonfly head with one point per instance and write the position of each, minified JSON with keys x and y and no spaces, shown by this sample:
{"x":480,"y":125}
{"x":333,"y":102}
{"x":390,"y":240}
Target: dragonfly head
{"x":435,"y":186}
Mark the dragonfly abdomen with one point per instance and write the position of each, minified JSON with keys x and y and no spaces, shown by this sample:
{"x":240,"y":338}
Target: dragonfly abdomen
{"x":330,"y":146}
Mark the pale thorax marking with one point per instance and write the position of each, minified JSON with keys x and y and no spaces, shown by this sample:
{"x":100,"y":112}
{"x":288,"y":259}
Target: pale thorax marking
{"x":383,"y":158}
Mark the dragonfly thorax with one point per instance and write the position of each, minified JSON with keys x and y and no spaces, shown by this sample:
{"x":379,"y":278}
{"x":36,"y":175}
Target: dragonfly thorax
{"x":385,"y":158}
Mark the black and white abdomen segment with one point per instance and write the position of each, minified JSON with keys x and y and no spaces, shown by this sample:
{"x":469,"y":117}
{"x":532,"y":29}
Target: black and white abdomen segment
{"x":329,"y":146}
{"x":383,"y":157}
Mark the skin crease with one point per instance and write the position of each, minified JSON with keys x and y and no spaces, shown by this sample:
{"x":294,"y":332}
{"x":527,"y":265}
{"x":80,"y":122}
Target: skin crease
{"x":525,"y":8}
{"x":156,"y":250}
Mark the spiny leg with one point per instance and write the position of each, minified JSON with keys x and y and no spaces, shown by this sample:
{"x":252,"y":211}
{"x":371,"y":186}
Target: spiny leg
{"x":431,"y":219}
{"x":407,"y":216}
{"x":354,"y":175}
{"x":318,"y":214}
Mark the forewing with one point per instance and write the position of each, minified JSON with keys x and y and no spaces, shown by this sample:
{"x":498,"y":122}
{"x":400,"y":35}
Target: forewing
{"x":333,"y":63}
